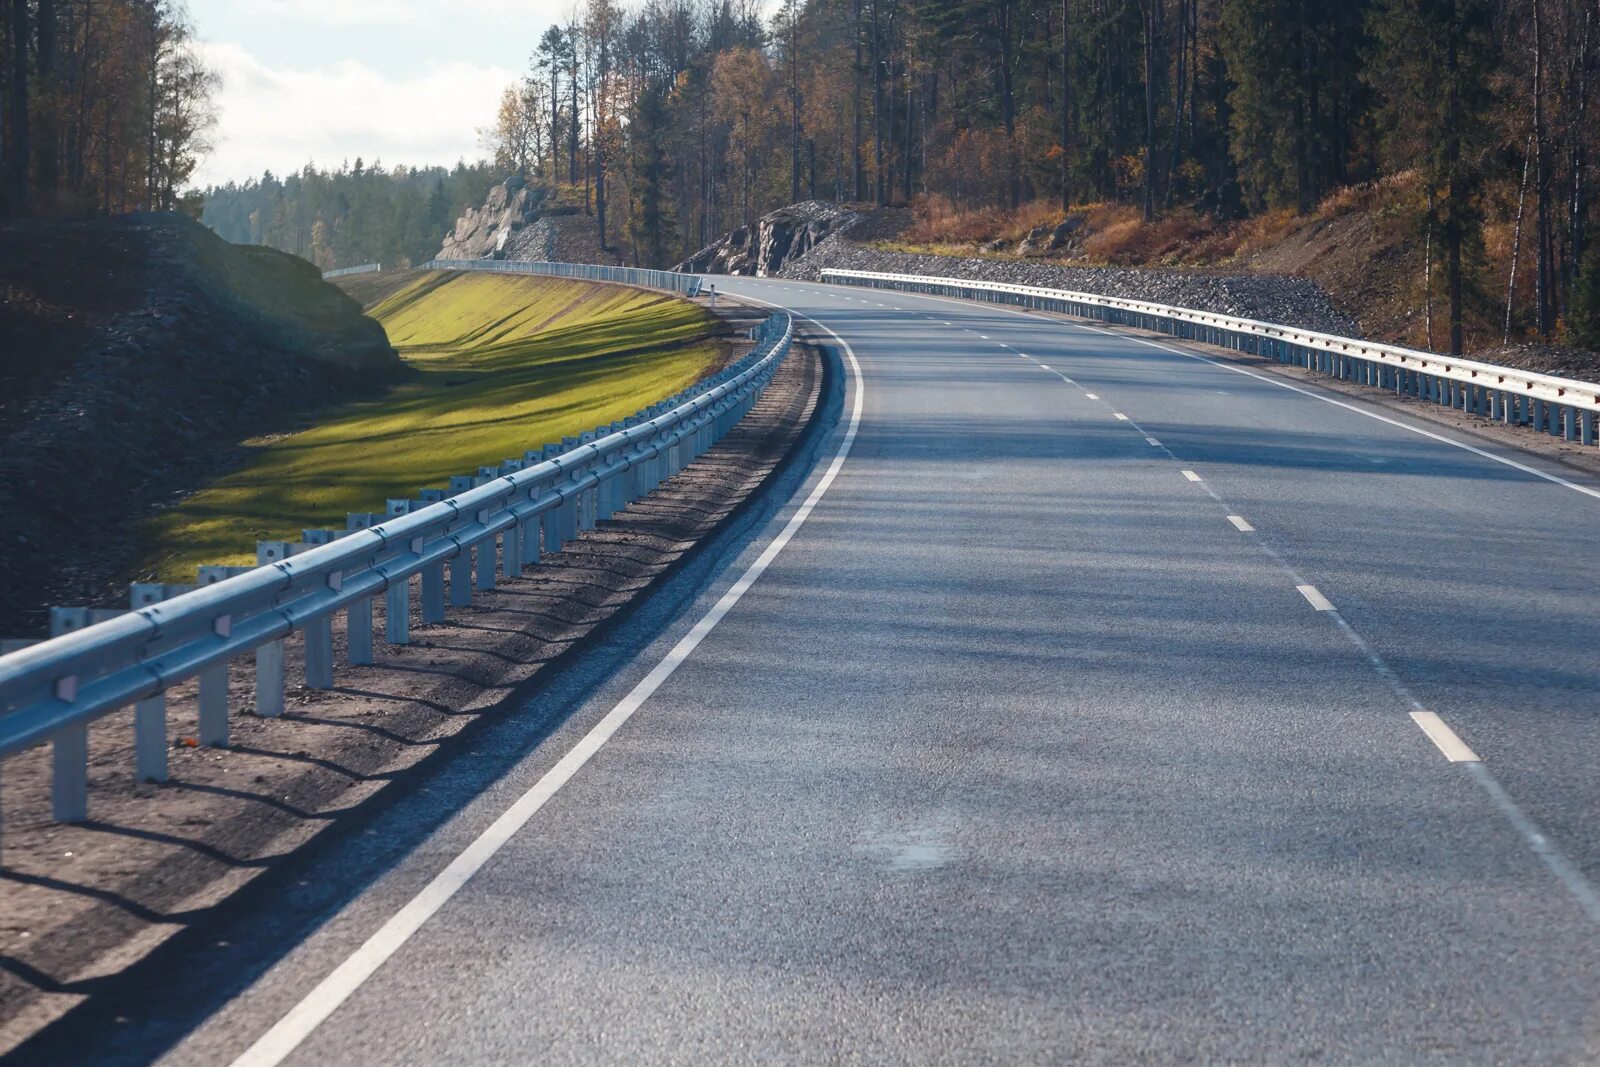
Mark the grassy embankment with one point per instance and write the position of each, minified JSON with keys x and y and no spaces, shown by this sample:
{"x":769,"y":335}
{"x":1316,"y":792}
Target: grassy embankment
{"x":503,"y":364}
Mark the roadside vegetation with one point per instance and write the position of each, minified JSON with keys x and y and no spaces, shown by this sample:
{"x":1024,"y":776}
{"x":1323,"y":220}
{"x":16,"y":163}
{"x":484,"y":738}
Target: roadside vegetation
{"x":1366,"y":245}
{"x":502,"y":364}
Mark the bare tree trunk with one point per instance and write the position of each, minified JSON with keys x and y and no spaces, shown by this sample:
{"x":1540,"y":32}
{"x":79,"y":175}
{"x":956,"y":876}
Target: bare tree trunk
{"x":1066,"y":105}
{"x":1454,"y":209}
{"x":1152,"y":27}
{"x":1181,"y":85}
{"x":1427,"y":274}
{"x":574,"y":117}
{"x":555,"y":121}
{"x":1516,"y":238}
{"x":1008,"y":105}
{"x":894,"y":99}
{"x":597,"y":139}
{"x":794,"y":102}
{"x":1579,"y":207}
{"x":20,"y":165}
{"x":47,"y":107}
{"x":1544,"y":300}
{"x":858,"y":182}
{"x":879,"y":193}
{"x":905,"y":168}
{"x":76,"y":165}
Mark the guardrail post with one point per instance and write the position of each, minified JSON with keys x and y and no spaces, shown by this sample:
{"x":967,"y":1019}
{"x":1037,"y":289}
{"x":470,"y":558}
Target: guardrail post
{"x":433,"y":593}
{"x":1588,"y":435}
{"x":269,"y":680}
{"x":511,"y":552}
{"x":69,"y":747}
{"x":150,"y":739}
{"x":397,"y":612}
{"x":568,"y":512}
{"x":358,"y":632}
{"x":319,"y":653}
{"x":214,"y":706}
{"x":484,"y":565}
{"x":69,"y":784}
{"x":551,"y":523}
{"x":460,"y":577}
{"x":530,"y":535}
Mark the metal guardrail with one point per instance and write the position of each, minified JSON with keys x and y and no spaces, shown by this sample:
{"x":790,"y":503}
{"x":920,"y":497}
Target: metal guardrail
{"x":1564,"y":407}
{"x":53,"y":690}
{"x":344,"y":272}
{"x":687,"y":284}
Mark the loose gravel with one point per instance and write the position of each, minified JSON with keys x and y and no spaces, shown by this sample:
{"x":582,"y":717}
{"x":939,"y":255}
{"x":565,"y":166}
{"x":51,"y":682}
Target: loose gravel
{"x":1269,"y":298}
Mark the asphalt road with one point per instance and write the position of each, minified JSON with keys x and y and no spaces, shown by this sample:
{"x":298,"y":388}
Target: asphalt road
{"x":1024,"y":745}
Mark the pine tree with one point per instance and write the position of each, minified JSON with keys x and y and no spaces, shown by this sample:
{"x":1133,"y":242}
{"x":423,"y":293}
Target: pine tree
{"x":651,"y":226}
{"x":1433,"y":62}
{"x":1583,"y":311}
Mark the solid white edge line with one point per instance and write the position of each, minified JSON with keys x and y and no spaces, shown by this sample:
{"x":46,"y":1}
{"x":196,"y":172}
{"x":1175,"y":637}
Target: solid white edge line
{"x":1314,"y":596}
{"x":1240,"y":523}
{"x":325,"y":998}
{"x":1455,"y":750}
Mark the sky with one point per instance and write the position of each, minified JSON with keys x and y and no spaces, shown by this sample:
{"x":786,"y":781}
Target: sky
{"x":326,"y":81}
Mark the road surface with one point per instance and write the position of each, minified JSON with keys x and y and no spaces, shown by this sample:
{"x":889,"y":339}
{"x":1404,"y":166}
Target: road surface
{"x":1091,"y":702}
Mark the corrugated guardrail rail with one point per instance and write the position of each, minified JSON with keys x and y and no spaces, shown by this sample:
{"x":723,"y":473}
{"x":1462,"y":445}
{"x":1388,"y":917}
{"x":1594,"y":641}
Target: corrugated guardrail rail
{"x":53,"y":690}
{"x":687,"y":284}
{"x":1564,"y":407}
{"x":345,"y":272}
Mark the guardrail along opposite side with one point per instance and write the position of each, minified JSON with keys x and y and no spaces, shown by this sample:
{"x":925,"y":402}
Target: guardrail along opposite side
{"x":1563,"y":407}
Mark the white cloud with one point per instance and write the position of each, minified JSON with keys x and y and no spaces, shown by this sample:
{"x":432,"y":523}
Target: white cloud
{"x":384,"y":12}
{"x":279,"y":118}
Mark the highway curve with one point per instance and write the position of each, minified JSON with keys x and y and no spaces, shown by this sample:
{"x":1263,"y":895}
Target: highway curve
{"x":1075,"y":713}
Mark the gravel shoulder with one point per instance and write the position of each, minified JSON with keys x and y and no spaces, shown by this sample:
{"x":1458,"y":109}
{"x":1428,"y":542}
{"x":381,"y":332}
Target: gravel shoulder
{"x":85,"y":902}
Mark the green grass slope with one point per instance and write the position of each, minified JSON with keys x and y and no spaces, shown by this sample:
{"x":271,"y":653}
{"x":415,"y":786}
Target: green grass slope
{"x":505,"y":363}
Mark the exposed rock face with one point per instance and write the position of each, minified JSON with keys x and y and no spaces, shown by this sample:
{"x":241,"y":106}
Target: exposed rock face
{"x":518,"y":222}
{"x":486,"y":232}
{"x":775,"y":239}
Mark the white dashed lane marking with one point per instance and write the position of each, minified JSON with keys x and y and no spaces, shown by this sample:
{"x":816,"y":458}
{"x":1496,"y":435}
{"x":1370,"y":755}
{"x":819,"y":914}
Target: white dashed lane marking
{"x":1455,"y":750}
{"x":1315,"y":598}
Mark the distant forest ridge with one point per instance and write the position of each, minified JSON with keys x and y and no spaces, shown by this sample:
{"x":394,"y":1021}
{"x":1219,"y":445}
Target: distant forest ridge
{"x":356,"y":214}
{"x":679,"y":120}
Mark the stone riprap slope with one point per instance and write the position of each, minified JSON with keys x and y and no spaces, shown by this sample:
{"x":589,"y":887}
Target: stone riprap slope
{"x":1269,"y":298}
{"x":135,"y":354}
